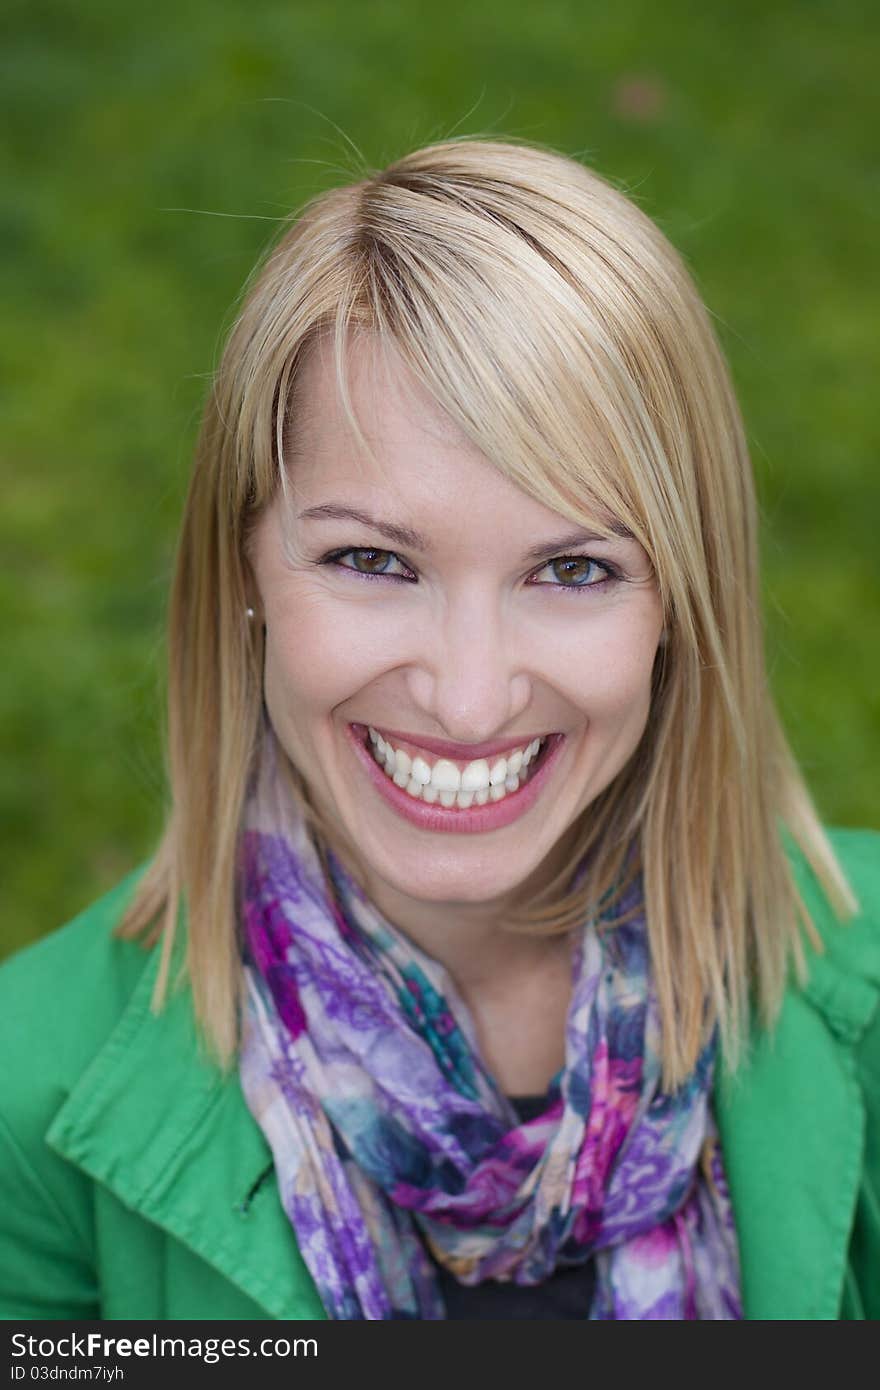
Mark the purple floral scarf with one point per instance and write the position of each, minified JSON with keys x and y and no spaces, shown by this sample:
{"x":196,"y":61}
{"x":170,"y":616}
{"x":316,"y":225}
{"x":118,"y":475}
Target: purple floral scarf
{"x":389,"y":1135}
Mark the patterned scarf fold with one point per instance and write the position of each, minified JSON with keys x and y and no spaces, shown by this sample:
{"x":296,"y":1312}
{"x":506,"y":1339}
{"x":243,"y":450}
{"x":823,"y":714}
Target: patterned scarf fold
{"x":390,"y":1137}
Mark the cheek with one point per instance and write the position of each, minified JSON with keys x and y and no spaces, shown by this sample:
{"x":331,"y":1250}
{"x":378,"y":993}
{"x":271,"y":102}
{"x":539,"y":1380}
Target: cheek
{"x":620,"y":684}
{"x":612,"y":671}
{"x":317,"y":656}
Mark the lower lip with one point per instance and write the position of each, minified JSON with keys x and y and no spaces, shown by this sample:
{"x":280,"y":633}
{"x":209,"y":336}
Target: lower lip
{"x":457,"y":820}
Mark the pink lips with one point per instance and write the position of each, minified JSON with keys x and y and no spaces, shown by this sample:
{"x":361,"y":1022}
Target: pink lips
{"x":462,"y":751}
{"x":474,"y":820}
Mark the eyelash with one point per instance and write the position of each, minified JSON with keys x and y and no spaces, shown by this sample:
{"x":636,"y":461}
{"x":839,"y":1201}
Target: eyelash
{"x":612,"y":575}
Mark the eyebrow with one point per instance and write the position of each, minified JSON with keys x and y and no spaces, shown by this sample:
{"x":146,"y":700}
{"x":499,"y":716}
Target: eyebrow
{"x":414,"y":540}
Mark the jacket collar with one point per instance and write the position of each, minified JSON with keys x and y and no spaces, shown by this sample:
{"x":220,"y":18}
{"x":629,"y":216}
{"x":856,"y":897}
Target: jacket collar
{"x":154,"y":1120}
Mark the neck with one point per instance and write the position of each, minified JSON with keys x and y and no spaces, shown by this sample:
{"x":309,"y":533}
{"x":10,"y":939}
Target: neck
{"x":471,"y":940}
{"x":516,"y":987}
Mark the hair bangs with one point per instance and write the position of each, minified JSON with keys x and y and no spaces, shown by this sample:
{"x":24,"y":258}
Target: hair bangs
{"x":542,"y":394}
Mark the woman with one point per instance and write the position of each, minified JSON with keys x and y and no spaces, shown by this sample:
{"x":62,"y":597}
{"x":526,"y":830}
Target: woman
{"x":500,"y":965}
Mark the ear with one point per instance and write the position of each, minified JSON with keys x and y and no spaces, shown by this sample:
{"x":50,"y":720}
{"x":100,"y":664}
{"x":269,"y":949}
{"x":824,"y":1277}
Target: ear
{"x":253,"y":610}
{"x":252,"y":601}
{"x":254,"y":616}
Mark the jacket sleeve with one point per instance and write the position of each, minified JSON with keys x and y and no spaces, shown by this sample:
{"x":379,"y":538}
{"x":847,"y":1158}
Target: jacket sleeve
{"x":59,"y":1000}
{"x":862,"y":1294}
{"x":859,"y":852}
{"x":46,"y":1267}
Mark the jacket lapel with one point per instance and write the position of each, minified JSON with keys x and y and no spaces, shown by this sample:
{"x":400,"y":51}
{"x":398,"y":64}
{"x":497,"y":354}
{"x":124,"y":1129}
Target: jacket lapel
{"x":792,"y":1127}
{"x":153,"y":1120}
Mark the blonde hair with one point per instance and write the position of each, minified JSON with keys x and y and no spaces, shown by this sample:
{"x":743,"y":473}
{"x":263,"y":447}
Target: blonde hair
{"x":558,"y":327}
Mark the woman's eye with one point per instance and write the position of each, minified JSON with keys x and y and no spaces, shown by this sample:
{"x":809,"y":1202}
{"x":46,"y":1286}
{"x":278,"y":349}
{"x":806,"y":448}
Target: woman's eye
{"x":579,"y":572}
{"x":366,"y":561}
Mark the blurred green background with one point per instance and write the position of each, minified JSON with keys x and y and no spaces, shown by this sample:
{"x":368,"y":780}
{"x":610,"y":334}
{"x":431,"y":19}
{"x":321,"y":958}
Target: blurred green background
{"x":148,"y":153}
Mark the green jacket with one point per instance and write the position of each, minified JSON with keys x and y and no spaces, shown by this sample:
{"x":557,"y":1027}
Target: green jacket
{"x":135,"y":1183}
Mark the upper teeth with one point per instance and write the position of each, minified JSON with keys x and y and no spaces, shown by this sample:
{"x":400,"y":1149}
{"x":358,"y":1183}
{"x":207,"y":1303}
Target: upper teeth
{"x":451,"y":782}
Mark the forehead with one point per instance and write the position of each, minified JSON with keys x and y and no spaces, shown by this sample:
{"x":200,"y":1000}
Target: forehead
{"x":403,"y":431}
{"x":413,"y":459}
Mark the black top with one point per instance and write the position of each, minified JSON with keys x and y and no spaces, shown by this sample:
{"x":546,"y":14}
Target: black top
{"x":568,"y":1293}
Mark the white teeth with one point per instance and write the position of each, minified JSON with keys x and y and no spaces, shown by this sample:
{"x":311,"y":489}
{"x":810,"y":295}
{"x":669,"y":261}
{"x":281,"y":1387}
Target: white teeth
{"x":445,"y":776}
{"x":475,"y":776}
{"x":421,"y":772}
{"x":475,"y":784}
{"x":498,"y":773}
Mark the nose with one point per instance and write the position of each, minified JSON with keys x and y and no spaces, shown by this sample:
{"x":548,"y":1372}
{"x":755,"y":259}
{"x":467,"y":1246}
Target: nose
{"x":470,"y":677}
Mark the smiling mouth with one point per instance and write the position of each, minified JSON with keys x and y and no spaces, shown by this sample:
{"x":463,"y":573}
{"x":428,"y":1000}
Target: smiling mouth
{"x":457,"y":784}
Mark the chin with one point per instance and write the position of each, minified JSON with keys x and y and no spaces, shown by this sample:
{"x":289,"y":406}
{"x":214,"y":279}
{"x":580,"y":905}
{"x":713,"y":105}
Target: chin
{"x":443,"y":877}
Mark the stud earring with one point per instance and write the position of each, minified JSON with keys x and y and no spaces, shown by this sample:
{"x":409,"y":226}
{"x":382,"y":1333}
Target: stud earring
{"x":250,"y":614}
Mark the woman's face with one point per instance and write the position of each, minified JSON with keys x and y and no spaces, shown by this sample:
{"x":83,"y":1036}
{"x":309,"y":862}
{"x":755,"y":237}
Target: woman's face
{"x":456,"y":634}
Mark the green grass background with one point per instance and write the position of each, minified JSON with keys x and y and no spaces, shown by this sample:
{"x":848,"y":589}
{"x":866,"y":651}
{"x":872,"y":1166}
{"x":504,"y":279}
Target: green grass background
{"x":148,"y":152}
